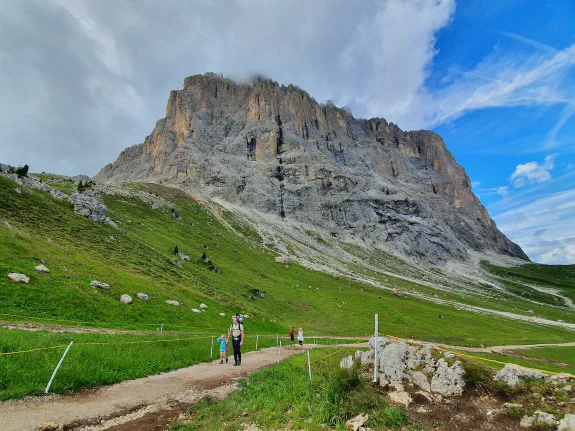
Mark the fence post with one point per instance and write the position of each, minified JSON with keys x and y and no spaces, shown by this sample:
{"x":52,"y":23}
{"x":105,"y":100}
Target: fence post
{"x":212,"y":348}
{"x":162,"y":329}
{"x":57,"y":367}
{"x":257,"y":337}
{"x":277,"y":339}
{"x":279,"y":351}
{"x":375,"y":362}
{"x":309,"y":365}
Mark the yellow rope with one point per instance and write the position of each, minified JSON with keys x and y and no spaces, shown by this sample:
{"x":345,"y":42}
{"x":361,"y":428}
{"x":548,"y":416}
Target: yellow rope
{"x":33,"y":350}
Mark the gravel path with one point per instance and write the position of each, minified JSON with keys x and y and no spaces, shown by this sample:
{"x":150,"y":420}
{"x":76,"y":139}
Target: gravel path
{"x":112,"y":405}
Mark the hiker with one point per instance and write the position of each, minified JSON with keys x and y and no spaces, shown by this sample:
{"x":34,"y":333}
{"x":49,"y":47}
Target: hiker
{"x":223,"y":340}
{"x":300,"y":337}
{"x":236,"y":333}
{"x":291,"y":335}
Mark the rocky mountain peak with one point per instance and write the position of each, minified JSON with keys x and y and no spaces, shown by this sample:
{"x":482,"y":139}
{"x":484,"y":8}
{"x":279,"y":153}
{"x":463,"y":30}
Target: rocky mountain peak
{"x":273,"y":148}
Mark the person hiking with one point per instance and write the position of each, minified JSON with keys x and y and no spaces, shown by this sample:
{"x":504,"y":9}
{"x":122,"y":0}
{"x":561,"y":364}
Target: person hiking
{"x":300,"y":337}
{"x":236,"y":333}
{"x":291,"y":335}
{"x":223,"y":340}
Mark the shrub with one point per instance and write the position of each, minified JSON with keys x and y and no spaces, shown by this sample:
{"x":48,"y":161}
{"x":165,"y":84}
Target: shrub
{"x":176,"y":251}
{"x":22,"y":171}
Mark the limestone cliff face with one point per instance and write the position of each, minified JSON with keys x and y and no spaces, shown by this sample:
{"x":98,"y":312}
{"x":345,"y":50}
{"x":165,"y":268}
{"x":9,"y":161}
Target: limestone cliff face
{"x":275,"y":149}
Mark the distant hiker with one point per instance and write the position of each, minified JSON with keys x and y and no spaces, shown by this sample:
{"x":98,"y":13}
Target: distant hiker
{"x":236,"y":333}
{"x":223,"y":340}
{"x":300,"y":337}
{"x":291,"y":334}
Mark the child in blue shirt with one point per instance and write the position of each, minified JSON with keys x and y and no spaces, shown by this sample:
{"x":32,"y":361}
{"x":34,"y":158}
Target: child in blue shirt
{"x":223,"y":348}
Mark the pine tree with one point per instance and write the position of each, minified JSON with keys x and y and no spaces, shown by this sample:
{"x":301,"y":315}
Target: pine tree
{"x":176,"y":251}
{"x":204,"y":257}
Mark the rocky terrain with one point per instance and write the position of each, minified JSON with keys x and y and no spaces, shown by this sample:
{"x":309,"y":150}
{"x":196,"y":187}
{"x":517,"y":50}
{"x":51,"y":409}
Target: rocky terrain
{"x":274,"y":149}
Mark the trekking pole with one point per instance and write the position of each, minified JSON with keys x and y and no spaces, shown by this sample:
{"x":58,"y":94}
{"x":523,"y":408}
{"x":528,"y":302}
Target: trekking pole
{"x":212,"y":348}
{"x":58,"y":367}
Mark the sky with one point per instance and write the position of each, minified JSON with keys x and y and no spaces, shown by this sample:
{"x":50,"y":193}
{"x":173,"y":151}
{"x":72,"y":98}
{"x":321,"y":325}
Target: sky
{"x":82,"y":80}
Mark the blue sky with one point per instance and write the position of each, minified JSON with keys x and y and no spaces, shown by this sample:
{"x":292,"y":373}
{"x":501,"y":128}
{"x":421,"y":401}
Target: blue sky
{"x":80,"y":80}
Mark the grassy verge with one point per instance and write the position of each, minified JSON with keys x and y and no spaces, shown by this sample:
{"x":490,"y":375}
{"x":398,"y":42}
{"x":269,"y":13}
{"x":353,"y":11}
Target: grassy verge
{"x":122,"y":357}
{"x":282,"y":397}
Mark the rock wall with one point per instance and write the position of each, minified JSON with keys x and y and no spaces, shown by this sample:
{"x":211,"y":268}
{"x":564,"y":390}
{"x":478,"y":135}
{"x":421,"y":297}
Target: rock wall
{"x":275,"y":149}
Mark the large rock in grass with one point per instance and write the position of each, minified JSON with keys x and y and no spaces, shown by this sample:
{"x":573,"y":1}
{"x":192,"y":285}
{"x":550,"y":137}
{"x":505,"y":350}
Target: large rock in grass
{"x":41,"y":268}
{"x":89,"y":204}
{"x":448,"y":380}
{"x":125,"y":299}
{"x":18,"y":278}
{"x":174,"y":303}
{"x":142,"y":296}
{"x":567,"y":423}
{"x":513,"y":374}
{"x":99,"y":284}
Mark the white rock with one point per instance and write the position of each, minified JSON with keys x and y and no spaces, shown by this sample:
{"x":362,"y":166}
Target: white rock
{"x":526,"y":422}
{"x":18,"y":278}
{"x":282,"y":259}
{"x":183,"y":256}
{"x":381,"y":343}
{"x":420,"y":380}
{"x":202,"y":305}
{"x":142,"y":296}
{"x":357,"y":422}
{"x":195,"y":310}
{"x":567,"y":423}
{"x":125,"y":299}
{"x":222,"y":314}
{"x":513,"y":374}
{"x":174,"y":303}
{"x":400,"y":397}
{"x":543,"y":418}
{"x":42,"y":268}
{"x":448,"y":380}
{"x":99,"y":284}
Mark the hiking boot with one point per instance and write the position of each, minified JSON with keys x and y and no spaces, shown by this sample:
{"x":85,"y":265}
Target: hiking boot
{"x":226,"y":360}
{"x":235,"y":364}
{"x":222,"y":361}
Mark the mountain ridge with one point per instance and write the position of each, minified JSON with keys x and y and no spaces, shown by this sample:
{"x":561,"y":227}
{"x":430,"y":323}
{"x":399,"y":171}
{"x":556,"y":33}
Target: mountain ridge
{"x":274,"y":149}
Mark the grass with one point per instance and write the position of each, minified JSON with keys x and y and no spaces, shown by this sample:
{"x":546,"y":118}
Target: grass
{"x":137,"y":258}
{"x":282,"y":396}
{"x":119,"y":357}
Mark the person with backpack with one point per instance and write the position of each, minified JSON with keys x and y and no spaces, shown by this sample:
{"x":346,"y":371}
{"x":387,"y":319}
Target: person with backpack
{"x":236,"y":333}
{"x":291,"y":335}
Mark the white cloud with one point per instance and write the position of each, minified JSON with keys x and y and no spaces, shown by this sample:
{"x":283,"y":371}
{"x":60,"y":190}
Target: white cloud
{"x":502,"y":190}
{"x":533,"y":172}
{"x":559,"y":255}
{"x":475,"y":184}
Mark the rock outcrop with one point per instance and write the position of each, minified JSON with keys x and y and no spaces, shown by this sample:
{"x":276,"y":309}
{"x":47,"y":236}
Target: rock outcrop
{"x":275,"y":149}
{"x":90,"y":204}
{"x":512,"y":374}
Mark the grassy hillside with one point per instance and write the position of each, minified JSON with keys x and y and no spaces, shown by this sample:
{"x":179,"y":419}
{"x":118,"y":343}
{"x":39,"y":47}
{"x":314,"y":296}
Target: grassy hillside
{"x":137,"y":257}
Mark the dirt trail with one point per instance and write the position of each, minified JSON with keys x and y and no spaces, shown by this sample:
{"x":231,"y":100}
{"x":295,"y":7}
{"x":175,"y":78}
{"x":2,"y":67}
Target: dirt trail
{"x":499,"y":349}
{"x":113,"y":406}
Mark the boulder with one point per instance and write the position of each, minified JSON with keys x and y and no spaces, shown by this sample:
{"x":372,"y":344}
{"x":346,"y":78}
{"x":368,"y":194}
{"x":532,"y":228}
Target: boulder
{"x":420,"y":379}
{"x":183,"y":256}
{"x":17,"y":191}
{"x":142,"y":296}
{"x":222,"y":314}
{"x":176,"y":216}
{"x":18,"y":278}
{"x":89,"y":204}
{"x":400,"y":397}
{"x":448,"y":380}
{"x":567,"y":423}
{"x":125,"y":299}
{"x":195,"y":310}
{"x":42,"y":268}
{"x":99,"y":284}
{"x":177,"y":263}
{"x":539,"y":418}
{"x":155,"y":206}
{"x":283,"y":259}
{"x":513,"y":374}
{"x":381,"y":343}
{"x":346,"y":363}
{"x":357,"y":422}
{"x":84,"y":180}
{"x":174,"y":303}
{"x":202,"y":305}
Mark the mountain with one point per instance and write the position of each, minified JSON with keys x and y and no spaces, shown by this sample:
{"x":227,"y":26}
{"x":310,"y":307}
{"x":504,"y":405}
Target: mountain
{"x":274,"y":149}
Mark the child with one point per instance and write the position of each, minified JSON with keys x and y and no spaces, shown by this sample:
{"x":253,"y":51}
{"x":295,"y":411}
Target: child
{"x":223,"y":348}
{"x":300,"y":337}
